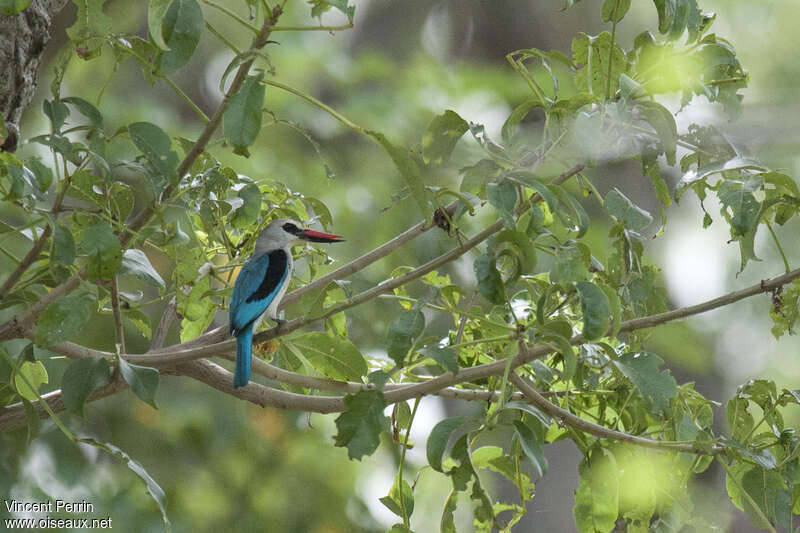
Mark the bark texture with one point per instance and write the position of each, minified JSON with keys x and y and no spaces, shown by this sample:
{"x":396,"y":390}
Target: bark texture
{"x":22,"y":40}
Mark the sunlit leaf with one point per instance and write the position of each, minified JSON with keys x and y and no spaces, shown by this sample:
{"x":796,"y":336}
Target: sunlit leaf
{"x":29,"y":378}
{"x":597,"y":497}
{"x":333,"y":356}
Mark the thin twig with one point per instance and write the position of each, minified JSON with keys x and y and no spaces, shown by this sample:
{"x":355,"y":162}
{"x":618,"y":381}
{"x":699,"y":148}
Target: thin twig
{"x":119,"y":330}
{"x":38,"y":246}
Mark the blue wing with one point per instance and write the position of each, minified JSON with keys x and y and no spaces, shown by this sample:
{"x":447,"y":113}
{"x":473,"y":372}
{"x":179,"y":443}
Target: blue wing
{"x":258,"y":282}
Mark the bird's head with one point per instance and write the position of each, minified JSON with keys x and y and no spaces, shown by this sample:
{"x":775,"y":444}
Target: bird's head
{"x":284,"y":232}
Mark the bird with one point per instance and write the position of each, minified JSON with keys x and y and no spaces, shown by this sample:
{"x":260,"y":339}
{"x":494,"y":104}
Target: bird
{"x":261,"y":284}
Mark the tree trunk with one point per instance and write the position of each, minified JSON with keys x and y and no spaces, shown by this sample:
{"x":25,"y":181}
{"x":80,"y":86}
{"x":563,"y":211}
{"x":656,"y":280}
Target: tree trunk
{"x":22,"y":40}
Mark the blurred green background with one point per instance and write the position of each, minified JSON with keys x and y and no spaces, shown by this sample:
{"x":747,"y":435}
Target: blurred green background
{"x":229,"y":466}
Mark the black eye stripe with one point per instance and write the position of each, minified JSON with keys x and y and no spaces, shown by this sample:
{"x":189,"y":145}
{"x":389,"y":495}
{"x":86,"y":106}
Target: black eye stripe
{"x":291,"y":228}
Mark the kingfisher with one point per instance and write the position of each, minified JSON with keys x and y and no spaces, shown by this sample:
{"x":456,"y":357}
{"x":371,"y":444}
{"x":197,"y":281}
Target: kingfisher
{"x":261,"y":284}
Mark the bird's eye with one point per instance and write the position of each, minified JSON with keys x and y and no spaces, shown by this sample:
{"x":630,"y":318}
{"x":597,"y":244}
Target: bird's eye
{"x":291,"y":228}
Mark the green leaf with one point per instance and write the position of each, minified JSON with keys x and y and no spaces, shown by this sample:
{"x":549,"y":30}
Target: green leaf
{"x":767,"y":489}
{"x":402,"y":333}
{"x":528,"y":178}
{"x":153,"y":488}
{"x":12,"y":7}
{"x":122,"y":199}
{"x":595,"y":309}
{"x":63,"y":252}
{"x":620,"y":207}
{"x":438,"y":439}
{"x":474,"y":178}
{"x":318,"y":7}
{"x":577,"y":218}
{"x":446,"y":357}
{"x":42,"y":173}
{"x":29,"y":378}
{"x":653,"y":385}
{"x":614,"y":10}
{"x":462,"y":473}
{"x":360,"y":426}
{"x":503,"y":196}
{"x":241,"y":121}
{"x":91,"y":29}
{"x":33,"y":420}
{"x":661,"y":120}
{"x":81,"y":378}
{"x":64,"y":318}
{"x":156,"y":147}
{"x":156,"y":13}
{"x":441,"y":137}
{"x":400,"y":489}
{"x":490,"y":284}
{"x":597,"y":498}
{"x":517,"y":115}
{"x":448,"y":521}
{"x":531,"y":446}
{"x":737,"y":195}
{"x":409,"y":170}
{"x":136,"y":263}
{"x":56,"y":111}
{"x":333,"y":356}
{"x":740,"y":421}
{"x":142,"y":379}
{"x":87,"y":109}
{"x":181,"y":29}
{"x":104,"y":251}
{"x":247,"y":213}
{"x":570,"y":265}
{"x":592,"y":53}
{"x":616,"y":307}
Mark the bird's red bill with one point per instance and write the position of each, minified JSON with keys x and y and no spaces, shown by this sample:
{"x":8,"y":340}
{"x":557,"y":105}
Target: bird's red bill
{"x":318,"y":236}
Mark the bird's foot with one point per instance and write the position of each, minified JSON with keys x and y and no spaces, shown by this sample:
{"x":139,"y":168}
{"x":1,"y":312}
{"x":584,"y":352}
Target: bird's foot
{"x":280,"y":322}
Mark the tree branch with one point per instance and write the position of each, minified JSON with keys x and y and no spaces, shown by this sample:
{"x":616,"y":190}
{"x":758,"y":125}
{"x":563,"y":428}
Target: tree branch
{"x":602,"y":432}
{"x":14,"y":416}
{"x":160,"y":335}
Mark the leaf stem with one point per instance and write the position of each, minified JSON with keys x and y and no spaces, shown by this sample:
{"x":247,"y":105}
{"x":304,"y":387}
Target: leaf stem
{"x":232,"y":15}
{"x":746,"y":495}
{"x":118,"y":329}
{"x":778,"y":245}
{"x":332,"y":112}
{"x":314,"y":28}
{"x":611,"y":49}
{"x":406,"y":520}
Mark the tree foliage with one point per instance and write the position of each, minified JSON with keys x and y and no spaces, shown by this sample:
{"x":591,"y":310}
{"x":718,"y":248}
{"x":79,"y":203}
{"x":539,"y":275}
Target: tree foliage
{"x":550,"y":333}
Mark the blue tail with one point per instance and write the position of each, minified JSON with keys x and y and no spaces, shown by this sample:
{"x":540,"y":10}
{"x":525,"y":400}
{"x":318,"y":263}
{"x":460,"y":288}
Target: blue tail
{"x":244,"y":346}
